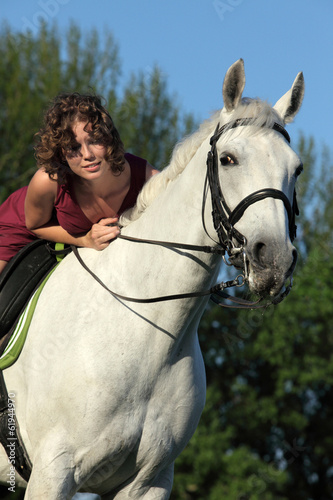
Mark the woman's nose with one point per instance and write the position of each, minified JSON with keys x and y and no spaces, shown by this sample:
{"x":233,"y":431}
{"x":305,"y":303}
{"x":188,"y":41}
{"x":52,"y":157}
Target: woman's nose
{"x":87,"y":152}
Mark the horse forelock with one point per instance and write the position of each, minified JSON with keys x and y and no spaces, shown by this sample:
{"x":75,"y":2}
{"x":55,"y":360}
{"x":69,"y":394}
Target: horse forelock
{"x":260,"y":111}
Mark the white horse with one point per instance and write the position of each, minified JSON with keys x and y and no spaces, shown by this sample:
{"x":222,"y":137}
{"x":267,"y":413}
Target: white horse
{"x":108,"y":392}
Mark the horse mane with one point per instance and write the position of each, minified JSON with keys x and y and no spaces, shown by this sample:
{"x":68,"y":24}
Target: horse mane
{"x":260,"y":111}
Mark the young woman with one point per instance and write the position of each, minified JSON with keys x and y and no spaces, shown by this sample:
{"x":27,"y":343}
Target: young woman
{"x":84,"y":182}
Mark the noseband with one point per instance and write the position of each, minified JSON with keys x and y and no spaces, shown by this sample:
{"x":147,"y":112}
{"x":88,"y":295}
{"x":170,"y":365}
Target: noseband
{"x":223,"y":218}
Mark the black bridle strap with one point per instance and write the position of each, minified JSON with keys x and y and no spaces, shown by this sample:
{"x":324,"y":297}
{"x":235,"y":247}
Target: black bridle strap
{"x":262,"y":194}
{"x":237,"y":302}
{"x":223,"y":218}
{"x":217,"y":289}
{"x":171,"y":244}
{"x":245,"y":122}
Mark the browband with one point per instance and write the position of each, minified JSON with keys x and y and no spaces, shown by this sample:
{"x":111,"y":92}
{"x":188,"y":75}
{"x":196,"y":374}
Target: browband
{"x":247,"y":121}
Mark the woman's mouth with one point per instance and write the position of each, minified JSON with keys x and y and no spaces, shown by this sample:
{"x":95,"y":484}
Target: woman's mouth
{"x":92,"y":167}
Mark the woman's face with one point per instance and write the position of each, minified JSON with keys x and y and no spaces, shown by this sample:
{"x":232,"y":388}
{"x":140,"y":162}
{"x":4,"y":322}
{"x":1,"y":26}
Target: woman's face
{"x":86,"y":158}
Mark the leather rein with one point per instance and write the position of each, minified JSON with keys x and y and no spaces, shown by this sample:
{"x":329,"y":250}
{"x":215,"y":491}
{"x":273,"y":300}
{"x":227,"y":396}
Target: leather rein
{"x":224,"y":220}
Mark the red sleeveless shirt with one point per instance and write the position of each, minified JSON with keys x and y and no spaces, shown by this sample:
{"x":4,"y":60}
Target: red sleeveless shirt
{"x":13,"y":233}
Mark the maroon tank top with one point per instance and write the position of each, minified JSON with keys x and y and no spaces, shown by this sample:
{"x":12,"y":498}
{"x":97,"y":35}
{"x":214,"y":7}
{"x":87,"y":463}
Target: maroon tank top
{"x":13,"y":232}
{"x":71,"y":217}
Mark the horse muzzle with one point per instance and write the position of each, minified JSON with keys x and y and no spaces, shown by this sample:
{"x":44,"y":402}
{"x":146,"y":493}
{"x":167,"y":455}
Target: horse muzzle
{"x":269,"y":267}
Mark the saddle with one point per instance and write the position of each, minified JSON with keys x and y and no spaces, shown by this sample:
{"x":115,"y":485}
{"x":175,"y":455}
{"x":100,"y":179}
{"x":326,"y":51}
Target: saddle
{"x":20,"y":278}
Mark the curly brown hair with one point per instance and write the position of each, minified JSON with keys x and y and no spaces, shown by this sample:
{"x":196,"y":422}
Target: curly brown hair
{"x":57,"y":137}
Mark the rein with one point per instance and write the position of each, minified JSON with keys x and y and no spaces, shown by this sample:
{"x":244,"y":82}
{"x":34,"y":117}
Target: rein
{"x":217,"y":289}
{"x":223,"y":220}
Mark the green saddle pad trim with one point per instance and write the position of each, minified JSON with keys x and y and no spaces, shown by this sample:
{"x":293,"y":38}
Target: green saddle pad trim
{"x":17,"y":339}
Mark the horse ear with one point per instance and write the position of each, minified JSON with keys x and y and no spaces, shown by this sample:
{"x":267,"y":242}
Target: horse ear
{"x":289,"y":104}
{"x":233,"y":85}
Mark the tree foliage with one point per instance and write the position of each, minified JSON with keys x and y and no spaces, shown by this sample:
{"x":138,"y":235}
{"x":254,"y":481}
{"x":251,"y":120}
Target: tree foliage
{"x":148,"y":117}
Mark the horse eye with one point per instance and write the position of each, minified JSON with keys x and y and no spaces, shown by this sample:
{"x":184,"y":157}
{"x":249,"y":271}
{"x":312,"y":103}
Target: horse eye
{"x":227,"y":159}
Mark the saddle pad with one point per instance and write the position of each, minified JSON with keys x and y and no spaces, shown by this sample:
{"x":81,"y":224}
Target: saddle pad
{"x":19,"y":334}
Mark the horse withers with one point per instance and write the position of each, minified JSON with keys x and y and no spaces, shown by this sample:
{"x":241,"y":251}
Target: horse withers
{"x":109,"y":391}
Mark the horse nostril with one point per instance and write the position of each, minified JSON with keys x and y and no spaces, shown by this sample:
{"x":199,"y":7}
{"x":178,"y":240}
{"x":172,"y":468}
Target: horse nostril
{"x":264,"y":257}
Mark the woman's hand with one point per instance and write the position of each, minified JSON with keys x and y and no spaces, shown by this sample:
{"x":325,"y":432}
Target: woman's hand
{"x":102,"y":233}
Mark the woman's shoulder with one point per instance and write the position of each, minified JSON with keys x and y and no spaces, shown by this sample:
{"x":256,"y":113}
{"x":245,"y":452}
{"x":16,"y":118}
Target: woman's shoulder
{"x":41,"y":181}
{"x":42,"y":187}
{"x":141,"y":166}
{"x":150,"y":171}
{"x":134,"y":160}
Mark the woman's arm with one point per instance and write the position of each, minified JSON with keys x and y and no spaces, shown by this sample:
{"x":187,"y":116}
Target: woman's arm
{"x":98,"y":237}
{"x":39,"y":204}
{"x":40,"y":199}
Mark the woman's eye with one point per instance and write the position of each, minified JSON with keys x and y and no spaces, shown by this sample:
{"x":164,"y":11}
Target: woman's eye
{"x":227,"y":160}
{"x":72,"y":150}
{"x":95,"y":140}
{"x":73,"y":147}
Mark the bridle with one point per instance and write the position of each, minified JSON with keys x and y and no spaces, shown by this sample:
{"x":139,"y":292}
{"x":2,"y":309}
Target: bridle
{"x":224,"y":221}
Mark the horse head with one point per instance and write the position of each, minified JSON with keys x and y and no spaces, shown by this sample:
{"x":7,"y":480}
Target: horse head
{"x":257,"y":171}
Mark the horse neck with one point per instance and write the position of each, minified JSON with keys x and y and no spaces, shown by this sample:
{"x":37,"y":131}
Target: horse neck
{"x":176,"y":212}
{"x":176,"y":216}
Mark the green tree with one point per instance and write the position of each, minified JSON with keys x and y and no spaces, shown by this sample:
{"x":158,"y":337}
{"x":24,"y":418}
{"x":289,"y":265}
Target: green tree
{"x":149,"y":119}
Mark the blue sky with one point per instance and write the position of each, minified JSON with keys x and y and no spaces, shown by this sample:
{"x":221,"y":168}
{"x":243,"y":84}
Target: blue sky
{"x":195,"y":41}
